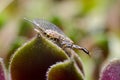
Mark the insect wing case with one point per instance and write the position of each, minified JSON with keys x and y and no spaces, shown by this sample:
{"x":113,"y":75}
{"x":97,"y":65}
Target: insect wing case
{"x":45,"y":25}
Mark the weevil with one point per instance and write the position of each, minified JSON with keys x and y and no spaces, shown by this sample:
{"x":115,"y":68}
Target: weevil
{"x":52,"y":32}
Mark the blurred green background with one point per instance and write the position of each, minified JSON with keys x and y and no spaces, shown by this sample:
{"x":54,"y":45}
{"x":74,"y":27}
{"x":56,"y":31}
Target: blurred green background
{"x":94,"y":24}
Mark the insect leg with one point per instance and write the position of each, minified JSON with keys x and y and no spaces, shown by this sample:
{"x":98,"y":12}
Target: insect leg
{"x":80,"y":48}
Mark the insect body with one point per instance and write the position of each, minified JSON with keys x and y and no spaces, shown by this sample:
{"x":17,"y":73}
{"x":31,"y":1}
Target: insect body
{"x":52,"y":32}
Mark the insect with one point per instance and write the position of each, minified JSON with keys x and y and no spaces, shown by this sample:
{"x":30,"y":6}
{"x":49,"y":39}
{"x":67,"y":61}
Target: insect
{"x":52,"y":32}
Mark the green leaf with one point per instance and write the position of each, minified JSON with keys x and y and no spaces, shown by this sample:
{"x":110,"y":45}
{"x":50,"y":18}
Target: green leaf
{"x":31,"y":61}
{"x":66,"y":70}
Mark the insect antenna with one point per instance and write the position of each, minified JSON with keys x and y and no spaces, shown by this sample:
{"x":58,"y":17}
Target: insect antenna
{"x":36,"y":27}
{"x":28,"y":20}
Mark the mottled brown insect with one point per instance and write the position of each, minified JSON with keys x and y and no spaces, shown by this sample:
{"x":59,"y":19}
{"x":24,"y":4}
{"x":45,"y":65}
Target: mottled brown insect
{"x":52,"y":32}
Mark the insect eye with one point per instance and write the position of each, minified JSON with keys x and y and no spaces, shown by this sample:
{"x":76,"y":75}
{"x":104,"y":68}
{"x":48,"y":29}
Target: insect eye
{"x":52,"y":38}
{"x":55,"y":39}
{"x":47,"y":36}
